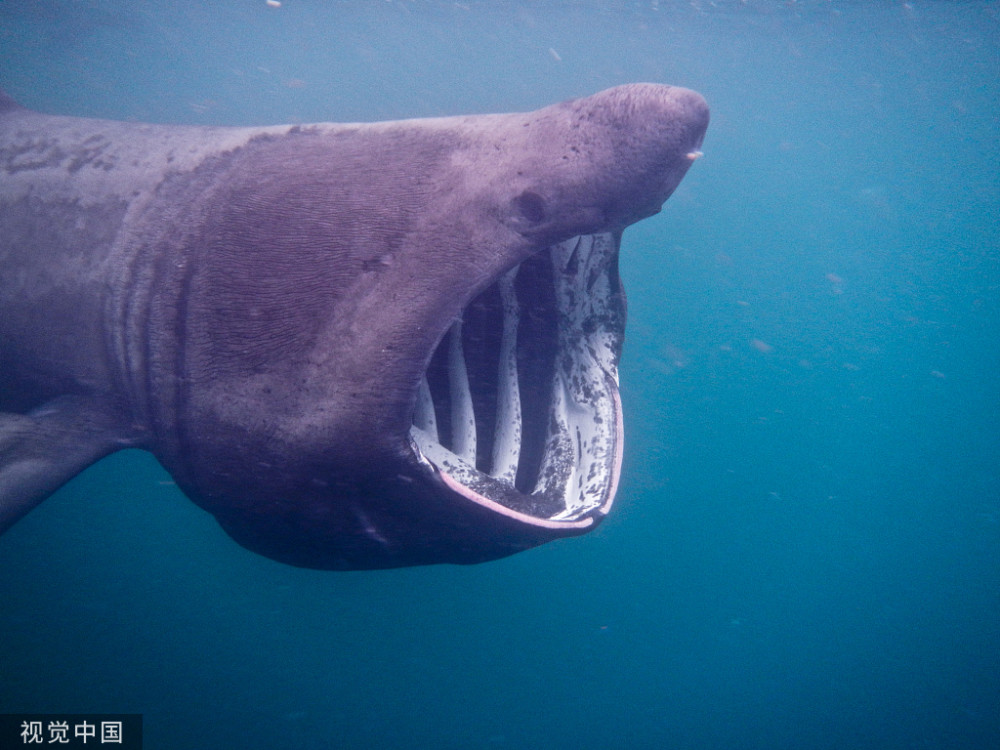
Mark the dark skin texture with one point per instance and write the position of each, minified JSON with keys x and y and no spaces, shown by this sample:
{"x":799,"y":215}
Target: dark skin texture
{"x":257,"y":306}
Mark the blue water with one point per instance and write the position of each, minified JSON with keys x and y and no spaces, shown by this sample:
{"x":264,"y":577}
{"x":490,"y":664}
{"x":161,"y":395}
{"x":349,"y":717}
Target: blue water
{"x":805,"y":552}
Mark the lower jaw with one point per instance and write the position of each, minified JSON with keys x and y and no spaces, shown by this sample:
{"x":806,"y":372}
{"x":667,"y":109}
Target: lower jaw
{"x":544,"y":445}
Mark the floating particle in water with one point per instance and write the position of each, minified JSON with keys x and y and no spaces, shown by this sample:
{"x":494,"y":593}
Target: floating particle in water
{"x":837,"y":282}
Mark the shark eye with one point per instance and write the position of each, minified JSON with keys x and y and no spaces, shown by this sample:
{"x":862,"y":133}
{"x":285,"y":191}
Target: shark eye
{"x":530,"y":206}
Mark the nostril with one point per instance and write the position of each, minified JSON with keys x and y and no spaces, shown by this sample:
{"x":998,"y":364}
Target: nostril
{"x":531,"y":206}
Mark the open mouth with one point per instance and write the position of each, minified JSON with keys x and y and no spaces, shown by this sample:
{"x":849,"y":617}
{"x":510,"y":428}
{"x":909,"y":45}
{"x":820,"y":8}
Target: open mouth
{"x":519,"y":408}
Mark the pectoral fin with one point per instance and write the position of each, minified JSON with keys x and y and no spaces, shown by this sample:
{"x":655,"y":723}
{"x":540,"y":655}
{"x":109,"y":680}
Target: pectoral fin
{"x":42,"y":450}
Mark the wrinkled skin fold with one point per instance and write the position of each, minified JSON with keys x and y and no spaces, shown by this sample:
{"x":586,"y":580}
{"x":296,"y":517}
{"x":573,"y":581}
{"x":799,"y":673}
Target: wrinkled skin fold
{"x":356,"y":345}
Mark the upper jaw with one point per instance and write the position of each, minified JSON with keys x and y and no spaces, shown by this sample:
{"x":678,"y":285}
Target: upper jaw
{"x":519,"y":411}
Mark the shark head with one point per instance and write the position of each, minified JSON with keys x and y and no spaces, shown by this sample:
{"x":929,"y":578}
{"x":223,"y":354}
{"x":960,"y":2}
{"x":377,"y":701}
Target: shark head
{"x":401,"y":340}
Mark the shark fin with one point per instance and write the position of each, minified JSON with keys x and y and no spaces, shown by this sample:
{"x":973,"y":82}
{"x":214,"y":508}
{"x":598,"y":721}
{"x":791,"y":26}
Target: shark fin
{"x":42,"y":450}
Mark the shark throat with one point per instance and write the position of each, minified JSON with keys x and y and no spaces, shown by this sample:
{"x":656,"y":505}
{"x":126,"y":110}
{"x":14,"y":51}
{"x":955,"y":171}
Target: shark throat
{"x":519,"y":408}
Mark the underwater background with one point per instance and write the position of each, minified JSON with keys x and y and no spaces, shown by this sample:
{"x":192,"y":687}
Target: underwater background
{"x":805,"y":550}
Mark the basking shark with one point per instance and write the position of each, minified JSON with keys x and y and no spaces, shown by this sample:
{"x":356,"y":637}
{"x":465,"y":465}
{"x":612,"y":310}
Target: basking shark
{"x":356,"y":345}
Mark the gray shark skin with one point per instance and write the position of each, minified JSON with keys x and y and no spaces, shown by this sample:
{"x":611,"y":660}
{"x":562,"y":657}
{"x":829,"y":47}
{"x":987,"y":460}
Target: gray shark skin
{"x":356,"y":345}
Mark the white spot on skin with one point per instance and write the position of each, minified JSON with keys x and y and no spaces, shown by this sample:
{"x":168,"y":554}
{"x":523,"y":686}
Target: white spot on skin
{"x":369,"y":528}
